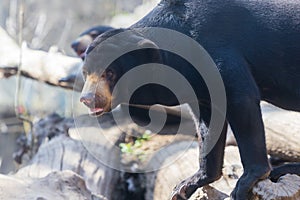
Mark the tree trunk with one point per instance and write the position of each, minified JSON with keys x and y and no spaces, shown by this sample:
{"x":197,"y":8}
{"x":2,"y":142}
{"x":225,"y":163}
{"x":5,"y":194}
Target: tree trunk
{"x":89,"y":151}
{"x":48,"y":67}
{"x":282,"y":132}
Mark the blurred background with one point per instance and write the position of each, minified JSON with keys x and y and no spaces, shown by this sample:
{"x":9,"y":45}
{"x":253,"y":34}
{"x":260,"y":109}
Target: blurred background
{"x":47,"y":24}
{"x":56,"y":22}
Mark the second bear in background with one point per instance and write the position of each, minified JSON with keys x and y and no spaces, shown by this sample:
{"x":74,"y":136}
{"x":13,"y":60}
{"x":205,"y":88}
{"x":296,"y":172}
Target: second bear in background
{"x":79,"y":46}
{"x":82,"y":42}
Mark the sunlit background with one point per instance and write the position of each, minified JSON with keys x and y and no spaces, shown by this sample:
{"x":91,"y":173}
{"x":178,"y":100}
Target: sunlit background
{"x":49,"y":24}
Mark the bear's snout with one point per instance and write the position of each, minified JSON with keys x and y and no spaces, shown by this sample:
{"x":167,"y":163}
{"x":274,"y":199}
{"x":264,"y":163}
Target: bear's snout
{"x":88,"y":99}
{"x":97,"y":104}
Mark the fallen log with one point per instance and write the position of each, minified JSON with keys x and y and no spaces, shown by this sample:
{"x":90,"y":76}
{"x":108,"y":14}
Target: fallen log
{"x":59,"y":185}
{"x":159,"y":184}
{"x":287,"y":187}
{"x":63,"y":153}
{"x":9,"y":54}
{"x":48,"y":67}
{"x":167,"y":154}
{"x":63,"y":148}
{"x":282,"y":132}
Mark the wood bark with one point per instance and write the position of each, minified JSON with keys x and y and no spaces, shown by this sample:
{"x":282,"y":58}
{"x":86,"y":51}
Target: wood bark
{"x":81,"y":150}
{"x":282,"y":132}
{"x":48,"y":67}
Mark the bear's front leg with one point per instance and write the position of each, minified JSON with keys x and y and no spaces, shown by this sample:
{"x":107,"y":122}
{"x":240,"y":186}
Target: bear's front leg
{"x":244,"y":116}
{"x":210,"y":166}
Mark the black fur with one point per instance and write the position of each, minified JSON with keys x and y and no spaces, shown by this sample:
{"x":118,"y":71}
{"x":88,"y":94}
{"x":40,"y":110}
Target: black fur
{"x":255,"y":45}
{"x":81,"y":43}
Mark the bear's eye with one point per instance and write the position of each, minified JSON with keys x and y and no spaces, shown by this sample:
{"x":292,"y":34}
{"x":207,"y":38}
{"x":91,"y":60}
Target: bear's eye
{"x":94,"y":34}
{"x":109,"y":74}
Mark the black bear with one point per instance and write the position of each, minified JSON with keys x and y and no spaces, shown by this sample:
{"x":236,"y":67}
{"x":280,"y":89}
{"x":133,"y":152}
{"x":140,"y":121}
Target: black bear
{"x":255,"y":45}
{"x":79,"y":46}
{"x":85,"y":38}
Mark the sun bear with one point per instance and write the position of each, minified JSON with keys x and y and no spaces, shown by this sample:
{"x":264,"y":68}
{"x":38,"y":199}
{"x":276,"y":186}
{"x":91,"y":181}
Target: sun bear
{"x":255,"y":46}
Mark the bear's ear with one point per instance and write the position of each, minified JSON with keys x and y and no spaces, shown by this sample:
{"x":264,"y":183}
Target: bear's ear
{"x":152,"y":51}
{"x":146,"y":43}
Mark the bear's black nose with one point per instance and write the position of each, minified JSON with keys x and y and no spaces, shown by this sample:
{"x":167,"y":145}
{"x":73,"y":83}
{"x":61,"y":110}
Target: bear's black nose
{"x":74,"y":45}
{"x":87,"y":99}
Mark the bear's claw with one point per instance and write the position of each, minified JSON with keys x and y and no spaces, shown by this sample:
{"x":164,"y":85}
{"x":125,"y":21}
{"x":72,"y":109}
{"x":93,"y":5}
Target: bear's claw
{"x":179,"y":193}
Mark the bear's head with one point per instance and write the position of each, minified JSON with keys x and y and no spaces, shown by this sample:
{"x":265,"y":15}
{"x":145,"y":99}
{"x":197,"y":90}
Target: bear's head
{"x":101,"y":77}
{"x":86,"y":38}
